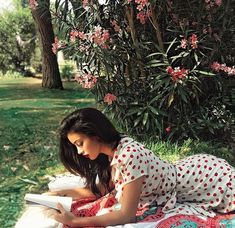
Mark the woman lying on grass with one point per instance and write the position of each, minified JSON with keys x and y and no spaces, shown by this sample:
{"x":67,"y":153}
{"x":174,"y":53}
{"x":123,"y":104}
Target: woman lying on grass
{"x":132,"y":180}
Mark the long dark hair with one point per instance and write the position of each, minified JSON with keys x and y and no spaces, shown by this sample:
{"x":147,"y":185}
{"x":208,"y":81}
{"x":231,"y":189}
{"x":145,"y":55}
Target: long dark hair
{"x":91,"y":122}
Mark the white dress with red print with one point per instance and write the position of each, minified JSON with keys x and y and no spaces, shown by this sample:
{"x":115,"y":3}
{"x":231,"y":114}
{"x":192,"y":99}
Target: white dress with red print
{"x":195,"y":185}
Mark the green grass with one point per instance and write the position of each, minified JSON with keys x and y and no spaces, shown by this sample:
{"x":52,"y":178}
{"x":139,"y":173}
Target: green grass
{"x":29,"y":117}
{"x":173,"y":152}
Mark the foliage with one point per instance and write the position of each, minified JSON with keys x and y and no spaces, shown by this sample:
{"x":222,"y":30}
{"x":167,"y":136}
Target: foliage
{"x":150,"y":62}
{"x":10,"y":74}
{"x":17,"y":43}
{"x":36,"y":61}
{"x":67,"y":71}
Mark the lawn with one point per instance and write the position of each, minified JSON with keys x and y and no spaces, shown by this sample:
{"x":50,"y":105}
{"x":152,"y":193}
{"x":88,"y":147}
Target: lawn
{"x":29,"y":117}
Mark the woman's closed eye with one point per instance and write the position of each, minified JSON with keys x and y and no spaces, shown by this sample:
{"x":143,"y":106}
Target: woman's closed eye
{"x":78,"y":144}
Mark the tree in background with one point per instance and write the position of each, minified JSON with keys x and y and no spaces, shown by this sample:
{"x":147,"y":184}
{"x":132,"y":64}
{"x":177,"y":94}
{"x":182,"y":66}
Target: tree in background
{"x":50,"y":69}
{"x":158,"y":66}
{"x":17,"y":42}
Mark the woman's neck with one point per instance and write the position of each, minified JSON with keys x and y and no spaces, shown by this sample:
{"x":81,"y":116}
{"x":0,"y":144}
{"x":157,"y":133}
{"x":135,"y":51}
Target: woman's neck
{"x":109,"y":149}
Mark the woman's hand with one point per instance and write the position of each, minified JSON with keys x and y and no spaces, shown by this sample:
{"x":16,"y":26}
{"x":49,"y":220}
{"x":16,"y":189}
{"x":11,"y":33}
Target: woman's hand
{"x":65,"y":217}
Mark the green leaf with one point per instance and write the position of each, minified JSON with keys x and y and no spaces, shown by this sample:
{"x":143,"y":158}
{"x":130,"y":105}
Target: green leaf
{"x":158,"y":48}
{"x":153,"y":110}
{"x":154,"y":61}
{"x":28,"y":181}
{"x":141,"y":111}
{"x":183,"y":95}
{"x":156,"y":65}
{"x":168,"y":49}
{"x":174,"y":58}
{"x":145,"y":118}
{"x":204,"y":72}
{"x":158,"y":125}
{"x":137,"y":121}
{"x":132,"y":111}
{"x":170,"y":99}
{"x":155,"y":54}
{"x":196,"y":57}
{"x":185,"y":54}
{"x":155,"y":98}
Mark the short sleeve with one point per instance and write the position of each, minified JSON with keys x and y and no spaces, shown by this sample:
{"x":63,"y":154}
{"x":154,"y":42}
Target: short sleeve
{"x":134,"y":163}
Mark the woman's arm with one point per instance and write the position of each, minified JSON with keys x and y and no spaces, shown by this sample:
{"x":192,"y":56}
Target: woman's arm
{"x":79,"y":193}
{"x":75,"y":193}
{"x":129,"y":203}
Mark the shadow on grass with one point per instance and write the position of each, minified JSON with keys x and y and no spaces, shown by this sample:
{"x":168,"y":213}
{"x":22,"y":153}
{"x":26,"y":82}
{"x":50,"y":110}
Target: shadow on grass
{"x":71,"y":91}
{"x":29,"y":119}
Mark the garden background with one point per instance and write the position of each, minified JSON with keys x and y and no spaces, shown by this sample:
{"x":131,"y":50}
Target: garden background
{"x":163,"y":71}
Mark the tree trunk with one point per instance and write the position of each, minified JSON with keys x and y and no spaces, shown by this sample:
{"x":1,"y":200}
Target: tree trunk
{"x":50,"y":69}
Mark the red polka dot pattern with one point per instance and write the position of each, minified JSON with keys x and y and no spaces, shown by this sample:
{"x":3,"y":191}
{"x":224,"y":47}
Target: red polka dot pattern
{"x":131,"y":161}
{"x":196,"y":184}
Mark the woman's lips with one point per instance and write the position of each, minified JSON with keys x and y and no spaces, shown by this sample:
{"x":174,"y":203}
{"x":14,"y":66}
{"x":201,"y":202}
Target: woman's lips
{"x":86,"y":155}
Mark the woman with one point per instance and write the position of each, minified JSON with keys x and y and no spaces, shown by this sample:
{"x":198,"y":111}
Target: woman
{"x":132,"y":180}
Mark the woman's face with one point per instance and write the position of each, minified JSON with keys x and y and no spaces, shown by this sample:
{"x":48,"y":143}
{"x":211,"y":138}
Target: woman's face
{"x":87,"y":146}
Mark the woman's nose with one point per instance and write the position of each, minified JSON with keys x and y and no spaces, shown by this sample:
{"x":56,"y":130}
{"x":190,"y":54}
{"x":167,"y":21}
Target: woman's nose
{"x":80,"y":151}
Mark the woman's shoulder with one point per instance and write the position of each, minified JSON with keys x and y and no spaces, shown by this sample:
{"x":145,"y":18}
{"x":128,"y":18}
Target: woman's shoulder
{"x":128,"y":141}
{"x":126,"y":148}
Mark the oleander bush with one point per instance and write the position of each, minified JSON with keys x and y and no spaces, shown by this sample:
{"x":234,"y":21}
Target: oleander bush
{"x":159,"y":67}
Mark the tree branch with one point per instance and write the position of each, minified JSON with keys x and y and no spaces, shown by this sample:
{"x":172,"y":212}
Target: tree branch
{"x":156,"y":27}
{"x":130,"y":18}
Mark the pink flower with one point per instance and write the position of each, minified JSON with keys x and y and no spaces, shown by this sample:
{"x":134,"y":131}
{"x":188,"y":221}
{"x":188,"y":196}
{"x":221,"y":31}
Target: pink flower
{"x":84,"y":3}
{"x":82,"y":35}
{"x":222,"y":67}
{"x":56,"y":45}
{"x":142,"y":17}
{"x":194,"y":41}
{"x":100,"y":37}
{"x":109,"y":98}
{"x":184,"y":43}
{"x":87,"y":81}
{"x":230,"y":70}
{"x":98,"y":31}
{"x":105,"y":35}
{"x":218,"y":2}
{"x":212,"y":3}
{"x":177,"y":73}
{"x":73,"y":35}
{"x":33,"y":4}
{"x":141,"y":4}
{"x":168,"y":129}
{"x":169,"y":70}
{"x":215,"y":66}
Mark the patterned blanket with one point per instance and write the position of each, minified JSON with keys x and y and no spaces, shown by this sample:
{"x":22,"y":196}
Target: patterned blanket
{"x":39,"y":217}
{"x":154,"y":217}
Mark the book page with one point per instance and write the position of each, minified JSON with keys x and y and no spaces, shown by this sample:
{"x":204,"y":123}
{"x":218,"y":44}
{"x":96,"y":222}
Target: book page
{"x":49,"y":201}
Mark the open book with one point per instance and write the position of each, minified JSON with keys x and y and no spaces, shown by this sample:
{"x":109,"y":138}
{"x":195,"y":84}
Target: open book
{"x":49,"y":201}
